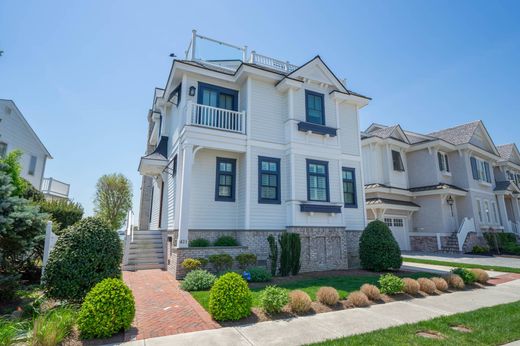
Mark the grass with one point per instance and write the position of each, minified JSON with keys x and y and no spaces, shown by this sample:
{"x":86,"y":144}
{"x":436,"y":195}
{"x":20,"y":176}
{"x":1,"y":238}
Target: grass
{"x":52,"y":327}
{"x":344,"y":285}
{"x":462,"y":265}
{"x":489,"y":326}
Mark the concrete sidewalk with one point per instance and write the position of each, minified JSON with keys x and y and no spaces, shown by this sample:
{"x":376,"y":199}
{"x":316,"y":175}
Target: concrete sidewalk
{"x":332,"y":325}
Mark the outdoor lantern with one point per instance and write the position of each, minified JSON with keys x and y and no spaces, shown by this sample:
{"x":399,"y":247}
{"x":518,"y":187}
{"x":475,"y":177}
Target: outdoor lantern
{"x":450,"y":201}
{"x":192,"y":91}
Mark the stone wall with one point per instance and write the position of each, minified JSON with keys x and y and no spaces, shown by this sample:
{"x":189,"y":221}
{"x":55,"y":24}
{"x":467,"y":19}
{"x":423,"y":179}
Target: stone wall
{"x":424,"y":243}
{"x":472,"y":240}
{"x":353,"y":248}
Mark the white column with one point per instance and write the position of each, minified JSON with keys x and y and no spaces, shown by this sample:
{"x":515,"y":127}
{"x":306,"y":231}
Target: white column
{"x":516,"y":208}
{"x":184,"y":200}
{"x":503,"y":212}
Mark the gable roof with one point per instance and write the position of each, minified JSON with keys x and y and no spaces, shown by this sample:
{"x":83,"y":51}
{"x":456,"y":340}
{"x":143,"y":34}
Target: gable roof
{"x":457,"y":135}
{"x":506,"y":151}
{"x":29,"y":128}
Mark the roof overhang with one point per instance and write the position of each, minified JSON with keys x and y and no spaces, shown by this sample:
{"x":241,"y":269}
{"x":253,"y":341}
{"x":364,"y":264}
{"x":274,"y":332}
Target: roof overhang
{"x":389,"y":205}
{"x":478,"y":150}
{"x":388,"y":190}
{"x":152,"y":165}
{"x":443,"y":191}
{"x":341,"y":97}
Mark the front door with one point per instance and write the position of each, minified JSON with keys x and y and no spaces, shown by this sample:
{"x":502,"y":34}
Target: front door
{"x":398,"y":227}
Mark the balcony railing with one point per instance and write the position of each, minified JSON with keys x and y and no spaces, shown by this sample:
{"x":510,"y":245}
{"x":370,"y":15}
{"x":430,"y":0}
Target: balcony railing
{"x":271,"y":63}
{"x":56,"y":188}
{"x":216,"y":118}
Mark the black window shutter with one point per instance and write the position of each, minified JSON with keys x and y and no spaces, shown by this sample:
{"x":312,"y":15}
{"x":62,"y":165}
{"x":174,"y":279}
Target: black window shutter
{"x":474,"y":168}
{"x":447,"y":163}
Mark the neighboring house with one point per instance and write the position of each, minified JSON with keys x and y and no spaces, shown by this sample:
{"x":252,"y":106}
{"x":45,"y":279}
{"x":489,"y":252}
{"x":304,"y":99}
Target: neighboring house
{"x":16,"y":133}
{"x":439,"y":191}
{"x":254,"y":147}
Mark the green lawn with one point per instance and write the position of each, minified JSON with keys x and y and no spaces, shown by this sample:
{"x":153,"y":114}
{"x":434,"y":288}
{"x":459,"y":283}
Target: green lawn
{"x":490,"y":326}
{"x":343,"y":284}
{"x":462,"y":265}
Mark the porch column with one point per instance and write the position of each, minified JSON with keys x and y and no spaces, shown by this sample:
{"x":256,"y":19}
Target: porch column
{"x":503,"y":212}
{"x":516,"y":209}
{"x":184,"y":200}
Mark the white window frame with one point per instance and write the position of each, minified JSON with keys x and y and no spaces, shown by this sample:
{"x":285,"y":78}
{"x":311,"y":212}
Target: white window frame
{"x":481,"y":169}
{"x":445,"y":163}
{"x":480,"y":213}
{"x":487,"y":212}
{"x":388,"y":221}
{"x":495,"y":212}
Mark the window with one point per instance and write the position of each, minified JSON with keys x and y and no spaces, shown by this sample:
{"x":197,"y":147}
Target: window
{"x":268,"y":180}
{"x":314,"y":108}
{"x":317,"y":181}
{"x":495,"y":212}
{"x":214,"y":96}
{"x":480,"y":170}
{"x":487,"y":211}
{"x":225,"y":181}
{"x":444,"y":165}
{"x":480,"y":214}
{"x":32,"y":165}
{"x":3,"y":149}
{"x":397,"y":161}
{"x":349,"y":187}
{"x":388,"y":222}
{"x":398,"y":223}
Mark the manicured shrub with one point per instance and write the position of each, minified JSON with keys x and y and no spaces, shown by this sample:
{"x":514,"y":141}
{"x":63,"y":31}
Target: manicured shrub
{"x":479,"y":249}
{"x":290,"y":245}
{"x":512,"y":249}
{"x":299,"y":302}
{"x":245,"y":260}
{"x":221,"y":262}
{"x":203,"y":261}
{"x":52,"y":327}
{"x":440,"y":284}
{"x":467,"y":276}
{"x":273,"y":299}
{"x":273,"y":253}
{"x":499,"y":240}
{"x":390,"y":284}
{"x":371,"y":291}
{"x":327,"y":296}
{"x":83,"y":256}
{"x":259,"y":274}
{"x":427,"y":285}
{"x":107,"y":309}
{"x":455,"y":281}
{"x":191,"y":264}
{"x":8,"y":286}
{"x":411,"y":286}
{"x":198,"y":280}
{"x":230,"y":298}
{"x":64,"y":213}
{"x":199,"y":242}
{"x":481,"y":276}
{"x":226,"y":240}
{"x":358,"y":298}
{"x":378,"y":250}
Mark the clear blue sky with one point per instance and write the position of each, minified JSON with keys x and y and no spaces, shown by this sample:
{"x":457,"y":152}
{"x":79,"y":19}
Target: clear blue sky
{"x":83,"y":72}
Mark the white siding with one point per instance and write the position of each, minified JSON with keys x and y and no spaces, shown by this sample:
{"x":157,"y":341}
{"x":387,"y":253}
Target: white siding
{"x":154,"y":218}
{"x":267,"y":112}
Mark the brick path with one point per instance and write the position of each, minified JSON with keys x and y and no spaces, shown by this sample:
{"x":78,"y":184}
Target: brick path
{"x":162,"y":308}
{"x":500,"y":279}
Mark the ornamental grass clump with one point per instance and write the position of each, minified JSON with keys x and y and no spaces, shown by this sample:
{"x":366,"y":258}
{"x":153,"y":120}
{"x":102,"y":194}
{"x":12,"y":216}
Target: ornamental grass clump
{"x":358,"y":299}
{"x":273,"y":299}
{"x":52,"y":327}
{"x":198,"y":280}
{"x":299,"y":302}
{"x":455,"y":281}
{"x":411,"y":286}
{"x":328,"y":296}
{"x":390,"y":284}
{"x":440,"y":284}
{"x":230,"y":298}
{"x":427,"y":285}
{"x":481,"y":276}
{"x":371,"y":291}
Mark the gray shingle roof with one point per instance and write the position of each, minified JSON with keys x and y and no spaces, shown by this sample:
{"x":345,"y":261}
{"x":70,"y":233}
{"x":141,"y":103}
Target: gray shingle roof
{"x":457,"y":135}
{"x":378,"y":201}
{"x":440,"y":186}
{"x":506,"y":151}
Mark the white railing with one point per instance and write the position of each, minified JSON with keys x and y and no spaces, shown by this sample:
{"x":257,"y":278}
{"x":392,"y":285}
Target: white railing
{"x":53,"y":187}
{"x":129,"y":235}
{"x":216,"y":118}
{"x":271,"y":62}
{"x":467,"y":226}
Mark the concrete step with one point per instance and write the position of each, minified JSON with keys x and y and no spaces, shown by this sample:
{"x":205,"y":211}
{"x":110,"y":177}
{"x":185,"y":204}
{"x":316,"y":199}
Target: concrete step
{"x":146,"y":255}
{"x":145,"y":262}
{"x":135,"y":267}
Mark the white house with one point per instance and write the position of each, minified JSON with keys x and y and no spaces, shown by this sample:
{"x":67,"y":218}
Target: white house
{"x":253,"y":147}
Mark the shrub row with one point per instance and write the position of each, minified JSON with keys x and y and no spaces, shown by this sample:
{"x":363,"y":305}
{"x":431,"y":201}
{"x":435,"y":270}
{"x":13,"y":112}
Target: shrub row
{"x":224,"y":240}
{"x":220,"y":262}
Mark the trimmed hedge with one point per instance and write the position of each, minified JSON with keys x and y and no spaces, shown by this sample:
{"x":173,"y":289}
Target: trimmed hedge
{"x":378,"y":250}
{"x":221,"y":262}
{"x":245,"y":260}
{"x":199,"y":242}
{"x":226,"y":240}
{"x":230,"y":298}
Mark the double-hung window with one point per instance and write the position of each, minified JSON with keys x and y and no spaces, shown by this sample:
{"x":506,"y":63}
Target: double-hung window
{"x":317,"y":181}
{"x":397,"y":161}
{"x":32,"y":165}
{"x":225,"y":180}
{"x":495,"y":212}
{"x":349,"y":187}
{"x":268,"y":180}
{"x":314,"y":107}
{"x":480,"y":170}
{"x":444,"y":165}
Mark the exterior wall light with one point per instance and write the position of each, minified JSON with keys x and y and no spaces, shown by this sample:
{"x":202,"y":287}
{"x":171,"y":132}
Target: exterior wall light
{"x":192,"y":91}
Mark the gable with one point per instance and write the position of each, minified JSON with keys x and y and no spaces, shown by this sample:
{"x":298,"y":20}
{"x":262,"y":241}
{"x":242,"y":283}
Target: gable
{"x":481,"y":139}
{"x":316,"y":71}
{"x":399,"y":134}
{"x":515,"y":155}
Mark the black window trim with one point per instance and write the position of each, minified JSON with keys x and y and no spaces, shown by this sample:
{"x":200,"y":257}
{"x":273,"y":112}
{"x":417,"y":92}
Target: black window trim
{"x":326,"y":175}
{"x":400,"y":163}
{"x":219,"y":89}
{"x":278,"y":187}
{"x":353,"y":171}
{"x":322,"y":97}
{"x":233,"y":182}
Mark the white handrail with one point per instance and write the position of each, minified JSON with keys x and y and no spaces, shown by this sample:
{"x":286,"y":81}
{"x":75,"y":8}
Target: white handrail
{"x":129,"y":235}
{"x":272,"y":62}
{"x":216,"y":118}
{"x":467,"y":226}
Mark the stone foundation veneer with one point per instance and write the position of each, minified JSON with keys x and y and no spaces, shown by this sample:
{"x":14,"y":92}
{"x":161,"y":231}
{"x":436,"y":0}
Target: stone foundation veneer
{"x":428,"y":243}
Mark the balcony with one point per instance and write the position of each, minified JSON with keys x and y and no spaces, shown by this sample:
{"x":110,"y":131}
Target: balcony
{"x":53,"y":188}
{"x":216,"y":118}
{"x":275,"y":64}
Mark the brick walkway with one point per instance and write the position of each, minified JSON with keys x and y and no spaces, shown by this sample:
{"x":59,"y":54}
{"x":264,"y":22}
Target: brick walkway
{"x":500,"y":279}
{"x":162,"y":308}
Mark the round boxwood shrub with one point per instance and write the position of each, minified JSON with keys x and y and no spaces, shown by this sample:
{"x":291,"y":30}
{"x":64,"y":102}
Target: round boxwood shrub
{"x":226,"y":240}
{"x":245,"y":260}
{"x":108,"y":308}
{"x":378,"y":250}
{"x":230,"y":298}
{"x":199,"y":242}
{"x":273,"y":299}
{"x":83,"y":256}
{"x":198,"y":280}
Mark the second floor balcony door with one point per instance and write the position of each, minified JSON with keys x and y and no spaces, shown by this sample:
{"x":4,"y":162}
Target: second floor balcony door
{"x":218,"y":97}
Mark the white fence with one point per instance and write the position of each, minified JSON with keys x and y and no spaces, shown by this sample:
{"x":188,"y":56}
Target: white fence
{"x":271,"y":63}
{"x":216,"y":118}
{"x":53,"y":187}
{"x":50,"y":241}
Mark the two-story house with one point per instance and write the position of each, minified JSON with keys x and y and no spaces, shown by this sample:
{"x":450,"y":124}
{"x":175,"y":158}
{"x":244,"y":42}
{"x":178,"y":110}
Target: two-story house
{"x":436,"y":191}
{"x":253,"y":147}
{"x":507,"y":176}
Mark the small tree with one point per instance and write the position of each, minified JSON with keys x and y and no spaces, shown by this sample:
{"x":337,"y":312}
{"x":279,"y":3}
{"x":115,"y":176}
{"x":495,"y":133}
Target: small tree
{"x":64,"y":213}
{"x":378,"y":249}
{"x":13,"y":169}
{"x":113,"y":199}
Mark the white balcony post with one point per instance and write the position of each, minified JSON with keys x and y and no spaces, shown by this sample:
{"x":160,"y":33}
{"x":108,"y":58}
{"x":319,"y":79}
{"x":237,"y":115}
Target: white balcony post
{"x":193,"y":43}
{"x":189,"y":113}
{"x":184,"y":200}
{"x":516,"y":208}
{"x":503,"y":212}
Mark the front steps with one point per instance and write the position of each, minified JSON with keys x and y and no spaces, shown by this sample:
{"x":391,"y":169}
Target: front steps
{"x":452,"y":245}
{"x":145,"y":251}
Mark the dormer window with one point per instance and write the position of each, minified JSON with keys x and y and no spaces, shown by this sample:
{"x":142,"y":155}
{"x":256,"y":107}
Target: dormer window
{"x":444,"y":165}
{"x":397,"y":161}
{"x":314,"y":107}
{"x":480,"y":170}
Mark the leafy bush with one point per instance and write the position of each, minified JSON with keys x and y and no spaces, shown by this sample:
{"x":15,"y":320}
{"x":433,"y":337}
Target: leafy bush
{"x":83,"y":256}
{"x":225,"y":240}
{"x":230,"y":298}
{"x":52,"y":327}
{"x":327,"y":296}
{"x":427,"y":285}
{"x":64,"y":212}
{"x":259,"y":274}
{"x":390,"y":284}
{"x":273,"y":299}
{"x":378,"y":250}
{"x":107,"y":309}
{"x":290,"y":246}
{"x":481,"y":276}
{"x":10,"y":330}
{"x":203,"y":261}
{"x":358,"y":299}
{"x":512,"y":249}
{"x":299,"y":302}
{"x":411,"y":286}
{"x":199,"y":242}
{"x":273,"y":253}
{"x":198,"y":280}
{"x":479,"y":249}
{"x":371,"y":291}
{"x":221,"y":262}
{"x":191,"y":264}
{"x":245,"y":260}
{"x":12,"y":168}
{"x":455,"y":281}
{"x":467,"y":276}
{"x":9,"y":284}
{"x":440,"y":284}
{"x":500,"y":239}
